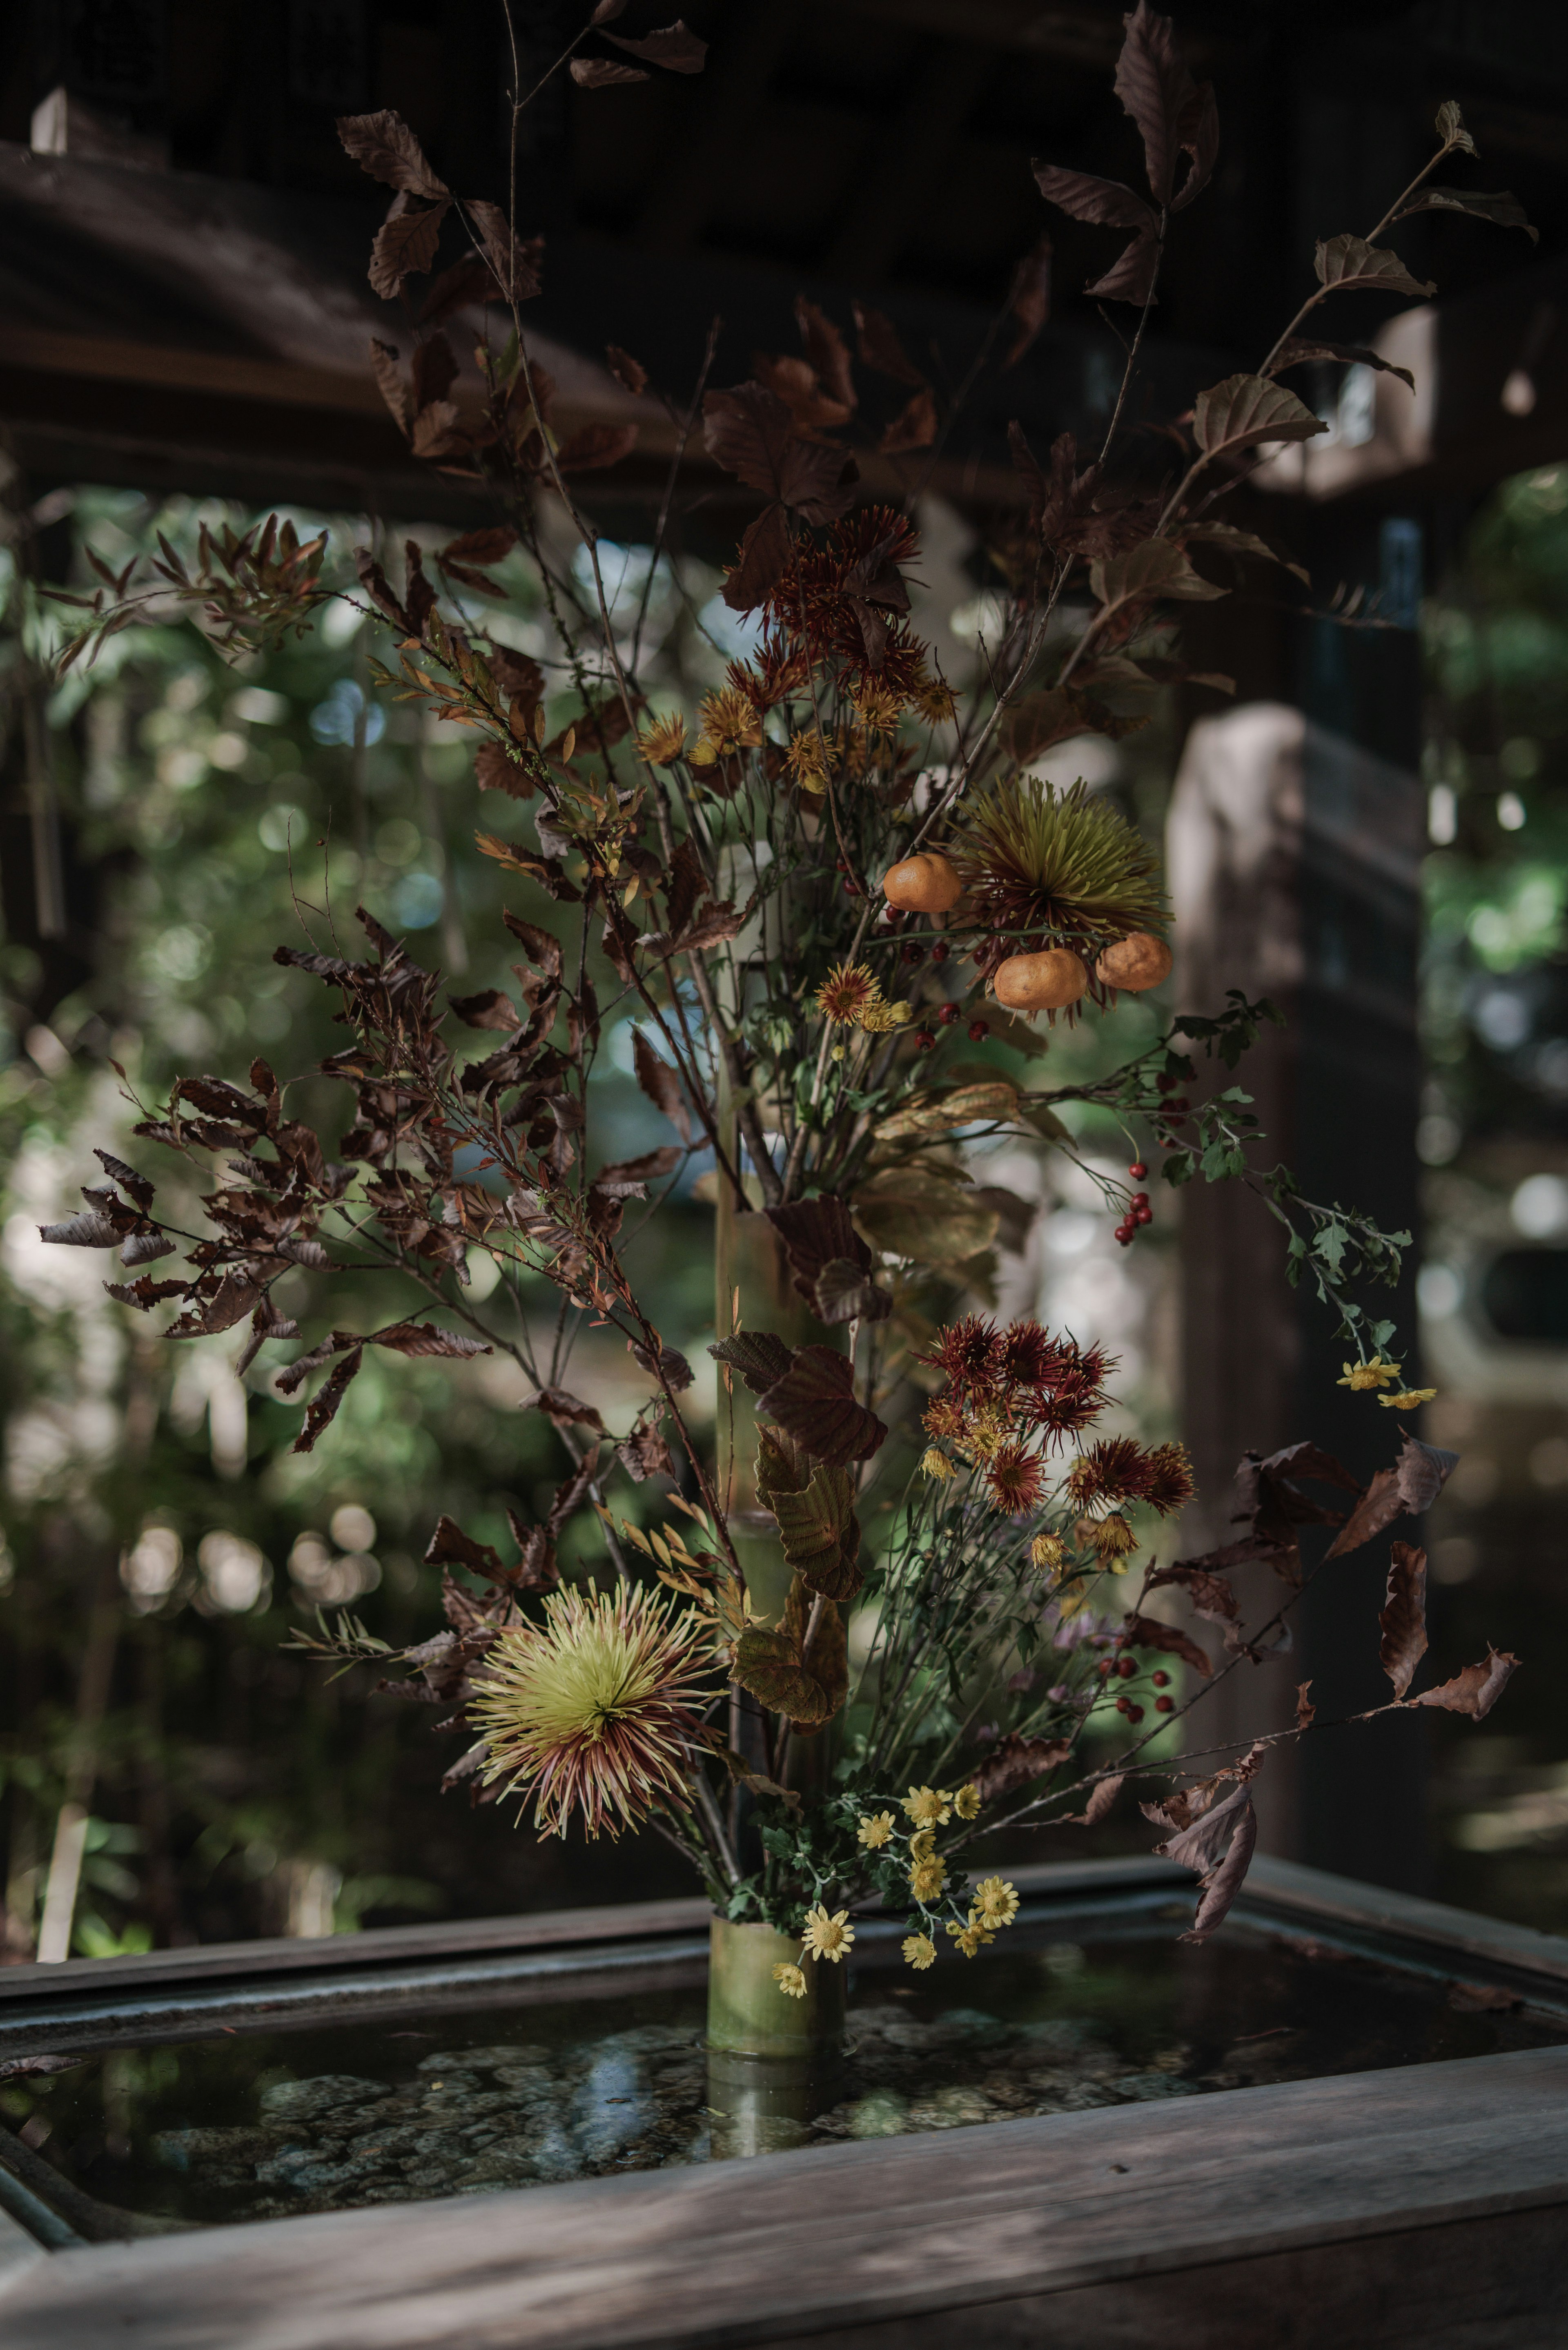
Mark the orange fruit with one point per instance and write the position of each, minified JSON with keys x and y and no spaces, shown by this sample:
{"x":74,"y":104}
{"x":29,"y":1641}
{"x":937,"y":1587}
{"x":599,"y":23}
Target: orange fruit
{"x":1134,"y":963}
{"x":1041,"y":982}
{"x":926,"y":884}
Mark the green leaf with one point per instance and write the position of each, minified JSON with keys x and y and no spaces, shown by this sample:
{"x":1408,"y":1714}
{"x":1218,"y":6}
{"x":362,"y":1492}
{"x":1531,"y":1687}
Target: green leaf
{"x":1179,"y":1168}
{"x":1330,"y":1245}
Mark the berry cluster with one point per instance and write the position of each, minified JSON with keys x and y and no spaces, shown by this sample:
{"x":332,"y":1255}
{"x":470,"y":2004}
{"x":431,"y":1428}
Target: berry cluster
{"x":1139,"y":1211}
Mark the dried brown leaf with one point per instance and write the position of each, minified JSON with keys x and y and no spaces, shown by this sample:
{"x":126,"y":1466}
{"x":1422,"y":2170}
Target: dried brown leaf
{"x":604,"y":73}
{"x":1222,"y":1883}
{"x":1477,"y":1690}
{"x":514,"y":259}
{"x":1348,"y":263}
{"x":405,"y":246}
{"x":674,"y":47}
{"x":1015,"y":1761}
{"x":816,"y":1402}
{"x":323,"y":1408}
{"x":1248,"y":409}
{"x":390,"y":381}
{"x":1403,"y":1622}
{"x":1148,"y":1632}
{"x":383,"y":145}
{"x":881,"y":348}
{"x":914,"y":427}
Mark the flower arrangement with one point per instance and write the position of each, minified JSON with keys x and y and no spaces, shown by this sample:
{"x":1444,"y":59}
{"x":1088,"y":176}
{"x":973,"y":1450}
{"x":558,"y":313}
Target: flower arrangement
{"x":805,"y":894}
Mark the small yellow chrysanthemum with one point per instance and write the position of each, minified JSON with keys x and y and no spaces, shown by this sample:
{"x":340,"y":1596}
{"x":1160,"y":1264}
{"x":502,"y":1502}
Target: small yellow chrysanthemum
{"x":730,"y":724}
{"x":790,"y":1981}
{"x":1111,"y":1538}
{"x":919,"y":1952}
{"x":848,"y":992}
{"x":995,"y":1902}
{"x":985,"y":1430}
{"x":875,"y":1832}
{"x":937,"y":1464}
{"x":927,"y":1879}
{"x":806,"y":759}
{"x":966,"y":1803}
{"x":880,"y":1019}
{"x":825,"y":1937}
{"x":923,"y":1844}
{"x":662,"y":743}
{"x":933,"y":698}
{"x":928,"y":1807}
{"x":1377,"y":1372}
{"x":970,"y":1938}
{"x":1408,"y":1399}
{"x":1047,"y":1550}
{"x":879,"y":711}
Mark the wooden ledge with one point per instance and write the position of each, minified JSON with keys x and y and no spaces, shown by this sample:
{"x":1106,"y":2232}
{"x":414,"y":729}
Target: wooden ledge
{"x":1016,"y":2232}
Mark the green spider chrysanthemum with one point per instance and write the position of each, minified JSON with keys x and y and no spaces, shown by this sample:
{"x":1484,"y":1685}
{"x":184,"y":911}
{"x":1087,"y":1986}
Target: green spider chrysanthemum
{"x":1055,"y":869}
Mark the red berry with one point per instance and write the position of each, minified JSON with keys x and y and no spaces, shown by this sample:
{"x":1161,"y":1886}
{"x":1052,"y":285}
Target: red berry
{"x":924,"y":1040}
{"x":1127,"y":1667}
{"x":939,"y":952}
{"x":1178,"y":1106}
{"x":912,"y":953}
{"x":1164,"y":1083}
{"x":1165,"y":1705}
{"x":1124,"y":1235}
{"x":1137,"y":1170}
{"x":1135,"y":1713}
{"x":979,"y":1030}
{"x":947,"y":1015}
{"x":1140,"y":1199}
{"x":1144,"y":1215}
{"x":839,"y":866}
{"x":1169,"y":1141}
{"x":1105,"y":1667}
{"x":1124,"y":1705}
{"x":1161,"y":1680}
{"x":851,"y":887}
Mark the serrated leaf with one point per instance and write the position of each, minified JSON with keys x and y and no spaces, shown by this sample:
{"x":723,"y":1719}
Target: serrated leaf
{"x":918,"y":1213}
{"x":1403,"y":1622}
{"x":1503,"y":209}
{"x":1477,"y":1690}
{"x":815,"y":1403}
{"x":1247,"y":408}
{"x":967,"y":1105}
{"x":1452,"y":128}
{"x":761,"y":1357}
{"x":87,"y":1229}
{"x":1157,"y":567}
{"x":1348,"y":263}
{"x":1241,"y":541}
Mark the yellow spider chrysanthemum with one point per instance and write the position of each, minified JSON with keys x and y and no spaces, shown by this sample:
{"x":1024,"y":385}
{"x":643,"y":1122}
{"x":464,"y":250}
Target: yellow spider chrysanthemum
{"x":933,"y":698}
{"x":880,"y":1019}
{"x":596,"y":1710}
{"x":875,"y":1832}
{"x":919,"y":1952}
{"x":927,"y":1879}
{"x":1047,"y":1550}
{"x":937,"y":1464}
{"x":730,"y":724}
{"x":790,"y":1981}
{"x":1408,"y":1399}
{"x":806,"y":759}
{"x":995,"y":1902}
{"x":1377,"y":1372}
{"x":848,"y":993}
{"x":879,"y":711}
{"x":928,"y":1807}
{"x":1111,"y":1538}
{"x":966,"y":1803}
{"x":662,"y":743}
{"x":825,"y":1937}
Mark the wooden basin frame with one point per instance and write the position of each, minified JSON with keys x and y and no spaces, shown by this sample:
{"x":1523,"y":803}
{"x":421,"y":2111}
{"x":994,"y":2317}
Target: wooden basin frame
{"x":1424,"y":2203}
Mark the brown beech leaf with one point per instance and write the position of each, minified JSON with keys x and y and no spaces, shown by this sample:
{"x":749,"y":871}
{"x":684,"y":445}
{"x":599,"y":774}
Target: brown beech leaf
{"x":1148,"y":1632}
{"x":449,"y":1546}
{"x":673,"y":46}
{"x":880,"y":348}
{"x":405,"y":246}
{"x":761,"y":560}
{"x":787,"y":1675}
{"x":594,"y":447}
{"x":438,"y":431}
{"x":1102,"y":1799}
{"x":1204,"y":1823}
{"x":1246,"y":408}
{"x":1106,"y":204}
{"x":1226,"y":535}
{"x":423,"y":1338}
{"x":512,"y":258}
{"x":237,"y":1295}
{"x":1210,"y":1596}
{"x":496,"y":770}
{"x":1403,"y":1622}
{"x":818,"y":1531}
{"x":645,"y":1453}
{"x":914,"y":427}
{"x":1503,"y":209}
{"x":383,"y":145}
{"x":1013,"y":1762}
{"x":433,"y":371}
{"x":814,"y":1233}
{"x":1295,"y":352}
{"x":748,"y":430}
{"x":1477,"y":1690}
{"x":88,"y":1228}
{"x":678,"y":1372}
{"x":1421,"y":1471}
{"x":1154,"y":568}
{"x":322,"y":1409}
{"x":1156,"y":89}
{"x":1223,"y":1883}
{"x":761,"y":1357}
{"x":1348,"y":263}
{"x":1409,"y":1487}
{"x":478,"y":550}
{"x":827,"y":351}
{"x":565,"y":1411}
{"x":604,"y":73}
{"x":630,"y":373}
{"x":490,"y":1008}
{"x":1306,"y":1712}
{"x":844,"y":1291}
{"x":389,"y":382}
{"x":468,"y":284}
{"x":660,"y":1083}
{"x":1029,"y":297}
{"x":816,"y":1402}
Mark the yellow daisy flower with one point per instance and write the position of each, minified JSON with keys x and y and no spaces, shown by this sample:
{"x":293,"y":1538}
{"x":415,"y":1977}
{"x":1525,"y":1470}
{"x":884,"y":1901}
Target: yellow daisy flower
{"x":995,"y":1902}
{"x":970,"y":1938}
{"x":848,"y":992}
{"x":927,"y":1879}
{"x":966,"y":1803}
{"x":1377,"y":1372}
{"x":1408,"y":1399}
{"x":923,"y":1844}
{"x":662,"y":743}
{"x":919,"y":1952}
{"x":876,"y":1831}
{"x":825,"y":1937}
{"x":880,"y":1019}
{"x":791,"y":1981}
{"x":928,"y":1807}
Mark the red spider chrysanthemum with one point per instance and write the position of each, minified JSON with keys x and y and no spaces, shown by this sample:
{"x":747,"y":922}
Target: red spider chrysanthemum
{"x":596,"y":1711}
{"x":944,"y":1417}
{"x":1110,"y":1471}
{"x":1015,"y":1480}
{"x":1168,"y":1483}
{"x":1031,"y":1357}
{"x":966,"y":1354}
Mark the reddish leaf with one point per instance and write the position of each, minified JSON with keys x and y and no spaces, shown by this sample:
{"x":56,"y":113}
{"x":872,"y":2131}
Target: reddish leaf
{"x":405,"y":244}
{"x":1210,"y":1596}
{"x":1306,"y":1712}
{"x":1107,"y":204}
{"x":673,"y":46}
{"x":488,"y":1009}
{"x":237,"y":1296}
{"x":481,"y":547}
{"x":630,"y":373}
{"x":323,"y":1408}
{"x":761,"y":561}
{"x":468,"y":284}
{"x":1246,"y":408}
{"x":1403,"y":1622}
{"x":645,"y":1453}
{"x":1148,"y":1632}
{"x":748,"y":432}
{"x":438,"y":431}
{"x":424,"y":1339}
{"x":389,"y":381}
{"x":604,"y":73}
{"x":593,"y":447}
{"x":1297,"y":353}
{"x":760,"y":1356}
{"x":449,"y":1546}
{"x":1222,"y":1883}
{"x":1477,"y":1690}
{"x":513,"y":260}
{"x":813,"y":1232}
{"x":1411,"y":1485}
{"x":1348,"y":263}
{"x":914,"y":427}
{"x":786,"y":1674}
{"x":660,"y":1083}
{"x":1155,"y":88}
{"x":814,"y":1401}
{"x":1013,"y":1762}
{"x":564,"y":1411}
{"x":88,"y":1228}
{"x":383,"y":145}
{"x":826,"y":351}
{"x":677,"y":1372}
{"x":880,"y":348}
{"x":495,"y":769}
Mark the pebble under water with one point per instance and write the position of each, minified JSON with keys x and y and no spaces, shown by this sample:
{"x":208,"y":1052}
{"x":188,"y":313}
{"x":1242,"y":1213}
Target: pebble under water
{"x":262,"y":2125}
